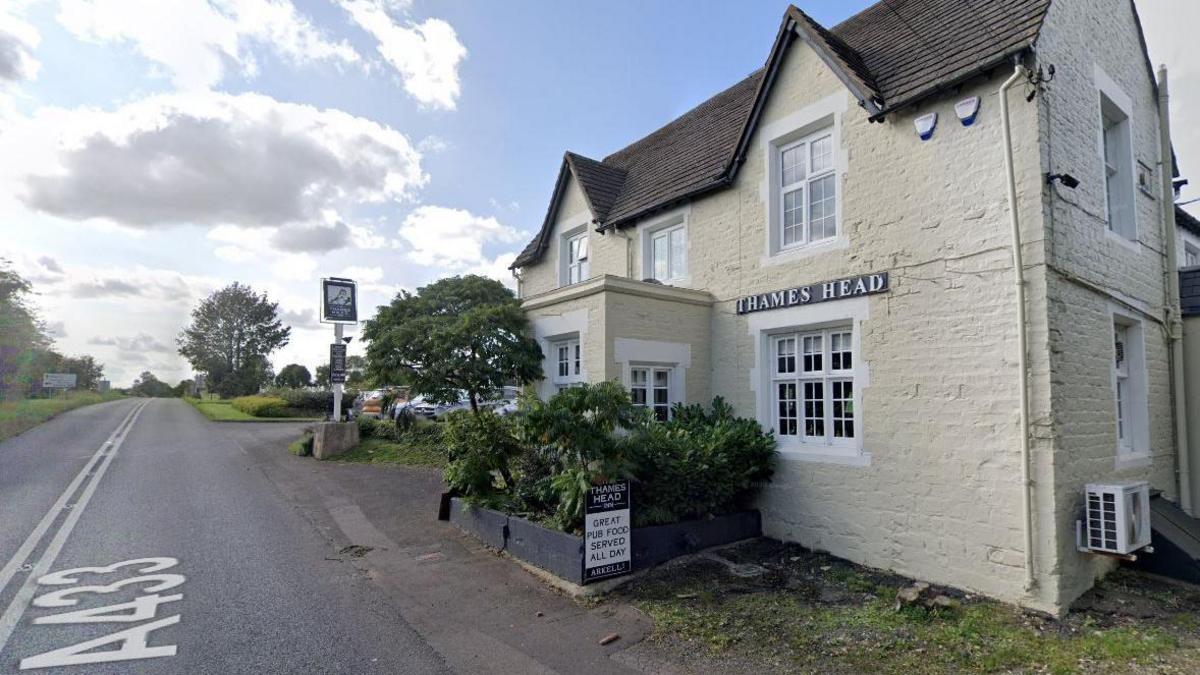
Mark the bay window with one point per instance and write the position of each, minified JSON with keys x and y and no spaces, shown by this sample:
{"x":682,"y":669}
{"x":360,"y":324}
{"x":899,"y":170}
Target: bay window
{"x":566,"y":361}
{"x":812,"y":386}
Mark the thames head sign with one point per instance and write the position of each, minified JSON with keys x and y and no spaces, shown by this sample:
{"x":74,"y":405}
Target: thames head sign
{"x":606,"y":532}
{"x":339,"y":301}
{"x":850,"y":287}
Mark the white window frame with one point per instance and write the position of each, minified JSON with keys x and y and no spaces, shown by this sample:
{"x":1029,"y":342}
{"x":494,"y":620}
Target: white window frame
{"x":575,"y":271}
{"x":1191,"y":255}
{"x":650,"y":387}
{"x":810,"y":364}
{"x":1131,"y":428}
{"x":1114,"y":117}
{"x":675,"y":221}
{"x":573,"y":363}
{"x":804,"y":184}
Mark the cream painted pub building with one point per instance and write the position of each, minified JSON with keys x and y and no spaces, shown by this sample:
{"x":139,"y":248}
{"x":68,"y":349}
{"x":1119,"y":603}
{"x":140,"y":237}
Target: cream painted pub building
{"x":815,"y":246}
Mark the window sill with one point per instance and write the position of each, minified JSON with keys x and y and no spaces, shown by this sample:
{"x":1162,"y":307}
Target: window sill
{"x":1131,"y":244}
{"x":787,"y":255}
{"x":1131,"y":460}
{"x":823,"y":454}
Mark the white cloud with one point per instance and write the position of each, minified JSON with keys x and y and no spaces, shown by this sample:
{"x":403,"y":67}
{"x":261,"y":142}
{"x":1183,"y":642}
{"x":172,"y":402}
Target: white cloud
{"x":363,"y":275}
{"x":452,"y":238}
{"x":497,"y":268}
{"x":235,"y":254}
{"x":426,"y":54}
{"x":194,"y":40}
{"x":311,"y":237}
{"x":137,"y":344}
{"x":208,"y":159}
{"x":1172,"y":45}
{"x":295,"y":267}
{"x":18,"y":39}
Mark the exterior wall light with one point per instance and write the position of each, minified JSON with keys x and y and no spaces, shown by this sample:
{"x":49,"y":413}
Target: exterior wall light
{"x":966,"y":110}
{"x":925,"y":125}
{"x":1067,"y":180}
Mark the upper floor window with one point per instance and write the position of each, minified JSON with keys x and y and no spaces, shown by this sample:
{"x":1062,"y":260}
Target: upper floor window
{"x":577,"y":258}
{"x":1117,"y":155}
{"x":667,"y":253}
{"x":807,"y":191}
{"x":1129,"y":387}
{"x":1191,"y":255}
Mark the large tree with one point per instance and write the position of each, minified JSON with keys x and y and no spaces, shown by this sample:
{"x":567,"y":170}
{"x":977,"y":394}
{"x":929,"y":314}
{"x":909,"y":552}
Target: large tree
{"x":148,"y":385}
{"x":24,"y":343}
{"x":232,"y":333}
{"x":457,"y":334}
{"x":293,"y":376}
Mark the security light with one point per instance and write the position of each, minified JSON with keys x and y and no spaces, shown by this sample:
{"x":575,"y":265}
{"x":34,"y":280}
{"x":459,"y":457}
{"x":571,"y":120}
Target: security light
{"x":925,"y":125}
{"x":966,"y":110}
{"x":1067,"y":180}
{"x":347,"y":339}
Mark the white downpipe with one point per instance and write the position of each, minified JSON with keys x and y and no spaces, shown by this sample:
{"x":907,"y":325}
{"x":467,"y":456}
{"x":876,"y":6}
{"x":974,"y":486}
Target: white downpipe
{"x":1174,"y":320}
{"x":1019,"y":280}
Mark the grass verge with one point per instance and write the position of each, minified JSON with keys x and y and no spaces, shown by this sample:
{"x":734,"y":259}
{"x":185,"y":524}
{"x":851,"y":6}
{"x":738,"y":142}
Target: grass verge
{"x":19,"y":416}
{"x":408,"y":451}
{"x":222,"y":411}
{"x":813,"y":613}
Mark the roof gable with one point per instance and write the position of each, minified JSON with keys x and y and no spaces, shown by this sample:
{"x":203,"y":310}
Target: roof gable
{"x":889,"y":56}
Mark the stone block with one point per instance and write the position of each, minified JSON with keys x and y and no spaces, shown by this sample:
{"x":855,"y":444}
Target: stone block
{"x":331,"y":439}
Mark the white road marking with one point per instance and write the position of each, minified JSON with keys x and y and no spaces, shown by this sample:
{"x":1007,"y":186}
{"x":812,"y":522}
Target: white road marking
{"x":143,"y":608}
{"x":64,"y":577}
{"x":12,"y":615}
{"x":133,"y":646}
{"x":17,"y":564}
{"x":62,"y":597}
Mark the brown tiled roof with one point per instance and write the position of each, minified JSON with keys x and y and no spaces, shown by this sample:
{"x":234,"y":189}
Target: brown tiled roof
{"x":890,"y":56}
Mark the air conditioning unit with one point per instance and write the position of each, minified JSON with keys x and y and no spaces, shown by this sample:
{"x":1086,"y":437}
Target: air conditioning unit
{"x":1117,"y":517}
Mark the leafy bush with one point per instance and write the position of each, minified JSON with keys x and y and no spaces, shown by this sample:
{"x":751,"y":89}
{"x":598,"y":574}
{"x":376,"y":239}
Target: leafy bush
{"x":480,"y":448}
{"x":262,"y":406}
{"x":700,"y":463}
{"x":308,"y":401}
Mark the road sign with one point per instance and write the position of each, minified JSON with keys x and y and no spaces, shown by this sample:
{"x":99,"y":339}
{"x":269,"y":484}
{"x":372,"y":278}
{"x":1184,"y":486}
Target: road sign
{"x":58,"y":381}
{"x":339,"y":301}
{"x":337,"y":363}
{"x":607,"y":532}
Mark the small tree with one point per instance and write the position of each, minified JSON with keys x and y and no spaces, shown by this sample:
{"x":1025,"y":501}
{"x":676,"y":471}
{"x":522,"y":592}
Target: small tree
{"x":148,"y":385}
{"x":231,"y":334}
{"x":456,"y":334}
{"x":321,"y":379}
{"x":293,"y":376}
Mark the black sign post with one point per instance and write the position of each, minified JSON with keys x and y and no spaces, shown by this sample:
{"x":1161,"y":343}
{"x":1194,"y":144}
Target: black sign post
{"x":339,"y":301}
{"x":607,"y":532}
{"x":337,"y":363}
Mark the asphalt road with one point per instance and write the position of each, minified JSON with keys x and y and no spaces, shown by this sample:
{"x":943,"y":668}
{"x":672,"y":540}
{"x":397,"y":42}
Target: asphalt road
{"x":220,"y":574}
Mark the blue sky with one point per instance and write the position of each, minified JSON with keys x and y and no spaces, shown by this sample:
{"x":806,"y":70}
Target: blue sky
{"x":167,"y":149}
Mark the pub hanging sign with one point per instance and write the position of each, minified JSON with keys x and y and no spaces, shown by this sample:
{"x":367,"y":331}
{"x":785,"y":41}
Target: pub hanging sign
{"x":838,"y":289}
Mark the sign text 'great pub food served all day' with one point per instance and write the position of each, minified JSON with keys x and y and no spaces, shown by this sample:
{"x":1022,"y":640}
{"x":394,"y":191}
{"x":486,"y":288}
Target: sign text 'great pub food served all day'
{"x":607,"y":532}
{"x":337,"y":363}
{"x":838,"y":289}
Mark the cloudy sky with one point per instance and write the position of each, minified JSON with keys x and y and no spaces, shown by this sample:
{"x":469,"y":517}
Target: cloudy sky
{"x":156,"y":150}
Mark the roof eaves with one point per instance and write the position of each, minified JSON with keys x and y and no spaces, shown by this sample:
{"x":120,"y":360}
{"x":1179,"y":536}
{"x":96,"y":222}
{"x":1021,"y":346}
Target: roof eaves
{"x":539,"y":243}
{"x":951,"y":82}
{"x":828,"y":47}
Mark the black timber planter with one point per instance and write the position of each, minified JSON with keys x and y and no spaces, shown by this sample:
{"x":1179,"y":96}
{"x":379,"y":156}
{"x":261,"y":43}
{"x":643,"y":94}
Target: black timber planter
{"x":562,"y":554}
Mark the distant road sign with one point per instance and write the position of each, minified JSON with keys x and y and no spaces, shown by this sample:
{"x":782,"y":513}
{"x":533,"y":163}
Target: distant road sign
{"x":337,"y":363}
{"x":58,"y":381}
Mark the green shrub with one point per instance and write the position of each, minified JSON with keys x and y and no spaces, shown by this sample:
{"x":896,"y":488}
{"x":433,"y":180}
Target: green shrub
{"x":698,"y":464}
{"x":302,"y":446}
{"x":310,"y":402}
{"x":262,"y":406}
{"x":480,"y":447}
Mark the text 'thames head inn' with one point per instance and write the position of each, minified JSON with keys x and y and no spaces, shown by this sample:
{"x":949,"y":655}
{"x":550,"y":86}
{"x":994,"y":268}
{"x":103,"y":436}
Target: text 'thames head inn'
{"x":829,"y":245}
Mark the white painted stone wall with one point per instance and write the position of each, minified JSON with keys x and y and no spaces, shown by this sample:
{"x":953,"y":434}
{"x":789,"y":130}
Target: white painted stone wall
{"x":934,"y":491}
{"x":1090,"y":270}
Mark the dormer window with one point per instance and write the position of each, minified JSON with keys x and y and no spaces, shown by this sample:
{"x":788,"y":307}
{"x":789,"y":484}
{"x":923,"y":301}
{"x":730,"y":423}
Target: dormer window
{"x":804,"y":186}
{"x":576,"y":258}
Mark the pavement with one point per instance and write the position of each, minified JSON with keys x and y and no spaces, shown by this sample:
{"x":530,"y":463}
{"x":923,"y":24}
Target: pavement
{"x":212,"y":550}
